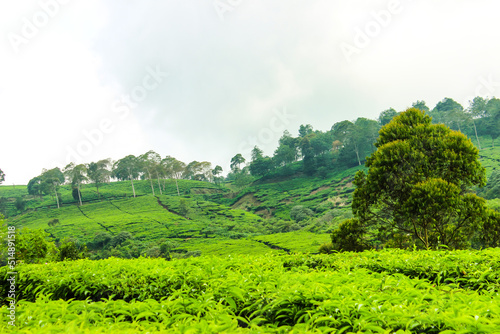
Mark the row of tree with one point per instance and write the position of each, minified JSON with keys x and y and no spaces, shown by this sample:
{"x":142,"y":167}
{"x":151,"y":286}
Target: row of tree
{"x":347,"y":143}
{"x":150,"y":166}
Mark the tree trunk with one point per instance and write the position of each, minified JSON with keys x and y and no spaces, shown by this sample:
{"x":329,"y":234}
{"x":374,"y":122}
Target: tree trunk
{"x":159,"y":185}
{"x":57,"y":197}
{"x":475,"y":130}
{"x":97,"y":187}
{"x":357,"y":155}
{"x":79,"y":195}
{"x":178,"y":193}
{"x":133,"y":189}
{"x":152,"y":188}
{"x":151,"y":182}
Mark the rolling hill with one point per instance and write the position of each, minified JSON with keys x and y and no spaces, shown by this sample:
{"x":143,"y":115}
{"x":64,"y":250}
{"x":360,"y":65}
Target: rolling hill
{"x":207,"y":218}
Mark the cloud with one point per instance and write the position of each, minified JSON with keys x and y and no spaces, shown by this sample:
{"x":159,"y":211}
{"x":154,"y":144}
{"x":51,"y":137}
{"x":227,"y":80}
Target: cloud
{"x":227,"y":78}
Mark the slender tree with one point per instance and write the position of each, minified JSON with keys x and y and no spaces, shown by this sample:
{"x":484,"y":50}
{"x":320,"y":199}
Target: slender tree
{"x":149,"y":162}
{"x":236,"y":161}
{"x":174,"y":168}
{"x":76,"y":175}
{"x":2,"y":176}
{"x":493,"y":119}
{"x":215,"y":173}
{"x":477,"y":109}
{"x":128,"y":168}
{"x":50,"y":182}
{"x":98,"y":172}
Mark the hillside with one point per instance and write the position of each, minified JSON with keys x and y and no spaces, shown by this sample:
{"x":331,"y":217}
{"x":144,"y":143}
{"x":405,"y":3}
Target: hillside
{"x":206,"y":218}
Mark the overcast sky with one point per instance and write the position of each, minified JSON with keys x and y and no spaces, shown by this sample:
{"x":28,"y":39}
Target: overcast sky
{"x":203,"y":80}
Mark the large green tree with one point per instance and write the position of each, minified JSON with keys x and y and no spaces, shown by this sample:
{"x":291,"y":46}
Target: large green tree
{"x":419,"y":182}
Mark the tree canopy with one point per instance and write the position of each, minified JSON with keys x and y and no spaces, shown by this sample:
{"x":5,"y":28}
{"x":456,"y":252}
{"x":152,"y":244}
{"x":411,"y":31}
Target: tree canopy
{"x":419,"y":182}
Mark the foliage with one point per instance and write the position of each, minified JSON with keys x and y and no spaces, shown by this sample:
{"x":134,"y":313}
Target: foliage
{"x":32,"y":246}
{"x":183,"y":207}
{"x":71,"y":249}
{"x":418,"y":183}
{"x":53,"y":222}
{"x":389,"y":291}
{"x":98,"y":172}
{"x":236,"y":161}
{"x":326,"y":248}
{"x":490,"y":236}
{"x":20,"y":203}
{"x":127,"y":168}
{"x":350,"y":237}
{"x":492,"y":188}
{"x":300,"y":212}
{"x":2,"y":176}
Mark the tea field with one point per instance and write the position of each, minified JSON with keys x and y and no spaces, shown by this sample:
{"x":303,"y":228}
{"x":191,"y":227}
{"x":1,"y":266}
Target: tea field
{"x":391,"y":291}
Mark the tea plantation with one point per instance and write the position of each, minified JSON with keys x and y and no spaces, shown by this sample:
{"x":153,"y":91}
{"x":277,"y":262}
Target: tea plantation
{"x":254,"y":265}
{"x":371,"y":292}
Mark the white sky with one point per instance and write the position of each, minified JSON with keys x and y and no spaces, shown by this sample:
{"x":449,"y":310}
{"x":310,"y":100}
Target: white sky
{"x":237,"y":76}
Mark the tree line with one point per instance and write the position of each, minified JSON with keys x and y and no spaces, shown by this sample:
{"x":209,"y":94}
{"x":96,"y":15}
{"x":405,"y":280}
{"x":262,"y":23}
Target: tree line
{"x":348,"y":143}
{"x":148,"y":166}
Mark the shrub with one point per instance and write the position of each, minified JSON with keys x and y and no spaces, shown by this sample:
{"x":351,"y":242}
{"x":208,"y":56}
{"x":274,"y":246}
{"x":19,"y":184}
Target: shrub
{"x":101,"y":240}
{"x":300,"y":212}
{"x":326,"y":248}
{"x":20,"y":203}
{"x":53,"y":222}
{"x":153,"y":252}
{"x":120,"y":238}
{"x":32,"y":246}
{"x":71,"y":249}
{"x":350,"y":236}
